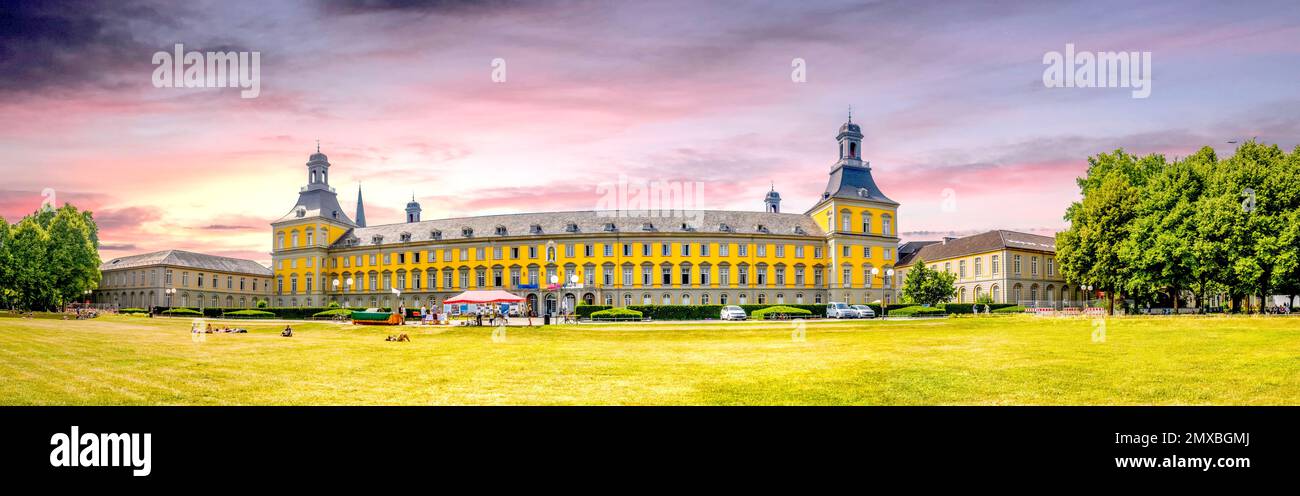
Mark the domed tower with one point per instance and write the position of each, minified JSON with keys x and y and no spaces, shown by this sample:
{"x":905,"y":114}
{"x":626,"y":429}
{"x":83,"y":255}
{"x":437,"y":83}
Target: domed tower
{"x":412,"y":210}
{"x":850,"y":139}
{"x":318,"y":170}
{"x":772,"y":202}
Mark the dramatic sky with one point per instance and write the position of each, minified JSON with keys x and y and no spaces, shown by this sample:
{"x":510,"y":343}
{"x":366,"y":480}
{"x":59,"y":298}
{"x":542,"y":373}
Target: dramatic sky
{"x":400,"y":95}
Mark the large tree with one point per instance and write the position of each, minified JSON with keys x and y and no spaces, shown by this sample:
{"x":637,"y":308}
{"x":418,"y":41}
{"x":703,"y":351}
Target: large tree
{"x":31,"y":281}
{"x":73,"y":254}
{"x":1091,"y":251}
{"x":928,"y":286}
{"x":48,"y":258}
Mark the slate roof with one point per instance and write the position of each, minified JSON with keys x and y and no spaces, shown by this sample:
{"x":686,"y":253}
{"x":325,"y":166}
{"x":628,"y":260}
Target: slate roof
{"x":980,"y":243}
{"x":854,"y":182}
{"x":317,"y":202}
{"x":189,"y":259}
{"x":589,"y":222}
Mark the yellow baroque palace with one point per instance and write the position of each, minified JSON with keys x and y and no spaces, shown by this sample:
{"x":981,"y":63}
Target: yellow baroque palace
{"x":842,"y":249}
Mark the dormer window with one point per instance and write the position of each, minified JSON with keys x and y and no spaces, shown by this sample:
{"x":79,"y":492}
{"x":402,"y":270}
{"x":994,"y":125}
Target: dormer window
{"x":760,"y":228}
{"x":467,"y":232}
{"x":863,"y":192}
{"x":609,"y":227}
{"x":648,"y":226}
{"x":724,"y":228}
{"x":687,"y":227}
{"x":535,"y":229}
{"x":377,"y":239}
{"x":406,"y":237}
{"x":300,"y":212}
{"x":571,"y":227}
{"x":501,"y":230}
{"x":799,"y":230}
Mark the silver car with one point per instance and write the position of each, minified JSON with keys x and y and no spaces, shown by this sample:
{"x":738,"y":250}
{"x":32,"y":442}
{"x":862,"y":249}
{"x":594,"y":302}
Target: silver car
{"x":836,"y":310}
{"x":865,"y":312}
{"x":732,"y":312}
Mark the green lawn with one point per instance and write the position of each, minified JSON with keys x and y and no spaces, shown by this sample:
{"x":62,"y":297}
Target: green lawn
{"x":1015,"y":360}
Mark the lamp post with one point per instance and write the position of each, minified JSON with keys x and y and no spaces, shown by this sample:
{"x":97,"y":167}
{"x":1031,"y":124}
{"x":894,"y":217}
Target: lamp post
{"x":884,"y":301}
{"x":170,"y":292}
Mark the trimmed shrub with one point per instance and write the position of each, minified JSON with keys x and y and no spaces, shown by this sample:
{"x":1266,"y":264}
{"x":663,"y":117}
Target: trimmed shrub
{"x":251,"y":314}
{"x":917,"y":311}
{"x":780,"y":311}
{"x":616,"y":313}
{"x":262,"y":304}
{"x":333,"y":313}
{"x":584,"y":311}
{"x":958,"y":307}
{"x":333,"y":304}
{"x":1010,"y":309}
{"x":131,"y":310}
{"x":182,"y":311}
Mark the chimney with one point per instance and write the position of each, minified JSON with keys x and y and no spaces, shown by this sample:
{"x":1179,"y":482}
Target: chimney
{"x":946,"y":239}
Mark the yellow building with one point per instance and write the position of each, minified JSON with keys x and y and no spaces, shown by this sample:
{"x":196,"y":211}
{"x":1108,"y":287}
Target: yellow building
{"x":843,"y":248}
{"x":183,"y":279}
{"x":1007,"y":266}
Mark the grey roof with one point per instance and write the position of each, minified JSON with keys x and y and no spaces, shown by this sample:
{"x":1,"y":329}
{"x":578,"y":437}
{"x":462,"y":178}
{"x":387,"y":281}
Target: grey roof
{"x":588,"y":222}
{"x":854,"y":182}
{"x":190,"y":259}
{"x":318,"y":202}
{"x":980,"y":243}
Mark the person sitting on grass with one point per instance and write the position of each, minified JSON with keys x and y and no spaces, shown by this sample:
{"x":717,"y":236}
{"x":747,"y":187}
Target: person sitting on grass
{"x":287,"y":332}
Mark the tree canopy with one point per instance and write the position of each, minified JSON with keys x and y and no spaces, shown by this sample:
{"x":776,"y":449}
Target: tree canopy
{"x":1149,"y":229}
{"x":928,"y":286}
{"x":48,"y":258}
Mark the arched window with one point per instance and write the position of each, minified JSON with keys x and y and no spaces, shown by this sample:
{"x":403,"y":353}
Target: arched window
{"x":853,"y":150}
{"x":686,"y":298}
{"x":704,"y":299}
{"x":667,"y":299}
{"x":722,"y":299}
{"x":743,"y":299}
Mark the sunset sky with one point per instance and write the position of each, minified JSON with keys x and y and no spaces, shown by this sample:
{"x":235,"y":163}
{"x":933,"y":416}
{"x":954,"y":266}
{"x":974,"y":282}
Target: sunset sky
{"x":400,"y":95}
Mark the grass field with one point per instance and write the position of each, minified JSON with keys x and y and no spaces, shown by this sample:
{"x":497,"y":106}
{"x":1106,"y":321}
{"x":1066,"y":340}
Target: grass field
{"x":1015,"y":360}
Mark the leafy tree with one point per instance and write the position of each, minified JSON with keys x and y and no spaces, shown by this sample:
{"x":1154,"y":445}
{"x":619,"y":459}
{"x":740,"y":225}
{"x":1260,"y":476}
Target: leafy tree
{"x":31,"y":281}
{"x":73,"y":255}
{"x":928,"y":286}
{"x":7,"y":293}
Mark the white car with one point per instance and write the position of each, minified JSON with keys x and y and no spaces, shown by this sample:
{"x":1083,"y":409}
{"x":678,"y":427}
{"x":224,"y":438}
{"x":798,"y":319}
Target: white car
{"x":732,"y":312}
{"x":840,"y":311}
{"x":865,"y":312}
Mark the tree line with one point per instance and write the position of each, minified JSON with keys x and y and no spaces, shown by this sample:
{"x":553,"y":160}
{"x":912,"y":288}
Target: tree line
{"x":1152,"y":231}
{"x":48,"y":258}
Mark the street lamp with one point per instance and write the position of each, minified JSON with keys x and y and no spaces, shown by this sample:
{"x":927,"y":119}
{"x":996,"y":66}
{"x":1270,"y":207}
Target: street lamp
{"x":169,"y":292}
{"x":889,"y":275}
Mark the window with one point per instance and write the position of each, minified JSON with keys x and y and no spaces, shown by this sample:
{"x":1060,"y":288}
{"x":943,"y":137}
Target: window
{"x":704,"y":276}
{"x":464,"y":278}
{"x":374,"y":281}
{"x":627,"y":252}
{"x":686,"y":249}
{"x":760,"y":274}
{"x":1015,"y":267}
{"x":722,"y":299}
{"x":847,"y":279}
{"x":415,"y":256}
{"x":514,"y":252}
{"x":886,"y":225}
{"x":480,"y":254}
{"x":979,"y":270}
{"x":817,"y":252}
{"x":866,"y":252}
{"x":866,"y":222}
{"x":645,"y":275}
{"x":761,"y":250}
{"x":667,"y":299}
{"x":532,"y":252}
{"x":704,"y":252}
{"x":627,"y":275}
{"x":780,"y":276}
{"x":961,"y":269}
{"x":724,"y":249}
{"x":645,"y":249}
{"x":1033,"y":267}
{"x":514,"y":276}
{"x":993,"y":264}
{"x":846,"y":220}
{"x":1051,"y":267}
{"x":743,"y":275}
{"x":686,"y":275}
{"x":798,"y":276}
{"x":401,"y":258}
{"x":762,"y":298}
{"x":568,"y":251}
{"x":446,"y":255}
{"x":846,"y":249}
{"x":496,"y":253}
{"x":667,"y":274}
{"x":609,"y":249}
{"x":704,"y":299}
{"x":446,"y":279}
{"x":609,"y":276}
{"x":665,"y":249}
{"x":742,"y":249}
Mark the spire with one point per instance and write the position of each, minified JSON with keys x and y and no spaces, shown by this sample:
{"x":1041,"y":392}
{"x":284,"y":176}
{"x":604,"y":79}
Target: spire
{"x":361,"y":209}
{"x":850,"y":115}
{"x":318,"y":140}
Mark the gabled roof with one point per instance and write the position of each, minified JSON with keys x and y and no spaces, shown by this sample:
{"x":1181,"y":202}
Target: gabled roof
{"x":589,"y":222}
{"x":979,"y":243}
{"x":189,"y":259}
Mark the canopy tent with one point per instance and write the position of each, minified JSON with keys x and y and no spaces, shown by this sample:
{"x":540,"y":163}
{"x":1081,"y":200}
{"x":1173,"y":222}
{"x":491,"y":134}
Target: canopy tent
{"x":479,"y":297}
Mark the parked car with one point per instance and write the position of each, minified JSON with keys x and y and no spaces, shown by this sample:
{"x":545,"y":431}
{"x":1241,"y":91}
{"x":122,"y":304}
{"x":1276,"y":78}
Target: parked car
{"x":865,"y":312}
{"x":732,"y":312}
{"x":835,"y":310}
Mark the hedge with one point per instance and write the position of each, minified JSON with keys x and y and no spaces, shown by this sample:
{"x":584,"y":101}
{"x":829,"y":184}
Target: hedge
{"x":182,"y":311}
{"x":917,"y":311}
{"x":251,"y":314}
{"x":780,"y":311}
{"x":585,"y":311}
{"x":1010,"y":309}
{"x":964,"y":308}
{"x":333,"y":313}
{"x":292,"y":313}
{"x":132,"y":310}
{"x":616,"y":314}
